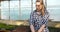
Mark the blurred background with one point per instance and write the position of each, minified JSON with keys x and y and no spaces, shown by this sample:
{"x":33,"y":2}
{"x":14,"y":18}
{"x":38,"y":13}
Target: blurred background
{"x":14,"y":15}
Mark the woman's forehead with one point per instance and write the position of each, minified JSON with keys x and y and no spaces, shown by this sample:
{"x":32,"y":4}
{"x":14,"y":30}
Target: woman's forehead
{"x":37,"y":3}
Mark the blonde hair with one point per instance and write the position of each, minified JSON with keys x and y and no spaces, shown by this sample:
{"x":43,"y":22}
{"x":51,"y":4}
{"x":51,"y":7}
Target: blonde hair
{"x":43,"y":6}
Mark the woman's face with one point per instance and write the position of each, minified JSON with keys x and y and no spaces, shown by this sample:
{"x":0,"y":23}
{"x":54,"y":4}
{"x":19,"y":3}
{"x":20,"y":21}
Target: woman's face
{"x":38,"y":6}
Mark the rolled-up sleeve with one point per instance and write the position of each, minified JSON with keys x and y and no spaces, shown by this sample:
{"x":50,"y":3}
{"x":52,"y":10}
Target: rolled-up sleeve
{"x":31,"y":21}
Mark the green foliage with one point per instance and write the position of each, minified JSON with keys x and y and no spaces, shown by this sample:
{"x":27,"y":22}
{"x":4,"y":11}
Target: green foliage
{"x":5,"y":26}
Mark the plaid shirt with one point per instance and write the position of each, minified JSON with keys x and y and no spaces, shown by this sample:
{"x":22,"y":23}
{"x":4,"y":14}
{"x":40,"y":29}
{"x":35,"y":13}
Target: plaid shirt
{"x":38,"y":20}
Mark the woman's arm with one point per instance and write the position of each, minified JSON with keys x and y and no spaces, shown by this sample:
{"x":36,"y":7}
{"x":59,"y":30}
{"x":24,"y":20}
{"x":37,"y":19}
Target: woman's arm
{"x":32,"y":28}
{"x":31,"y":22}
{"x":42,"y":28}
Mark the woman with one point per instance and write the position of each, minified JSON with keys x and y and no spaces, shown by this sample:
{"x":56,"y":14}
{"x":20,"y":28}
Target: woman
{"x":39,"y":18}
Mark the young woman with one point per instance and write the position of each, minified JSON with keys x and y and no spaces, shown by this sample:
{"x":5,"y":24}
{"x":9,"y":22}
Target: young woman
{"x":39,"y":18}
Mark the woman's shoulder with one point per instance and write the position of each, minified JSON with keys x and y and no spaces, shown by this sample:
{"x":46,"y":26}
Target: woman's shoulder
{"x":32,"y":12}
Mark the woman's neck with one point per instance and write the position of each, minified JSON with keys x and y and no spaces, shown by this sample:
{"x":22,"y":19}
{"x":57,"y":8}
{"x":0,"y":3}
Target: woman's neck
{"x":39,"y":12}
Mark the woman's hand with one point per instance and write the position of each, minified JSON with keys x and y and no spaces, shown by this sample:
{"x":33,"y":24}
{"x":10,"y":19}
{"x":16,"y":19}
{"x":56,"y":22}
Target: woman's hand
{"x":42,"y":28}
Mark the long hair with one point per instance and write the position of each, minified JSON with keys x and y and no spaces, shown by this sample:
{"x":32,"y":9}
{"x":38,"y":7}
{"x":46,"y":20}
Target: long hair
{"x":44,"y":7}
